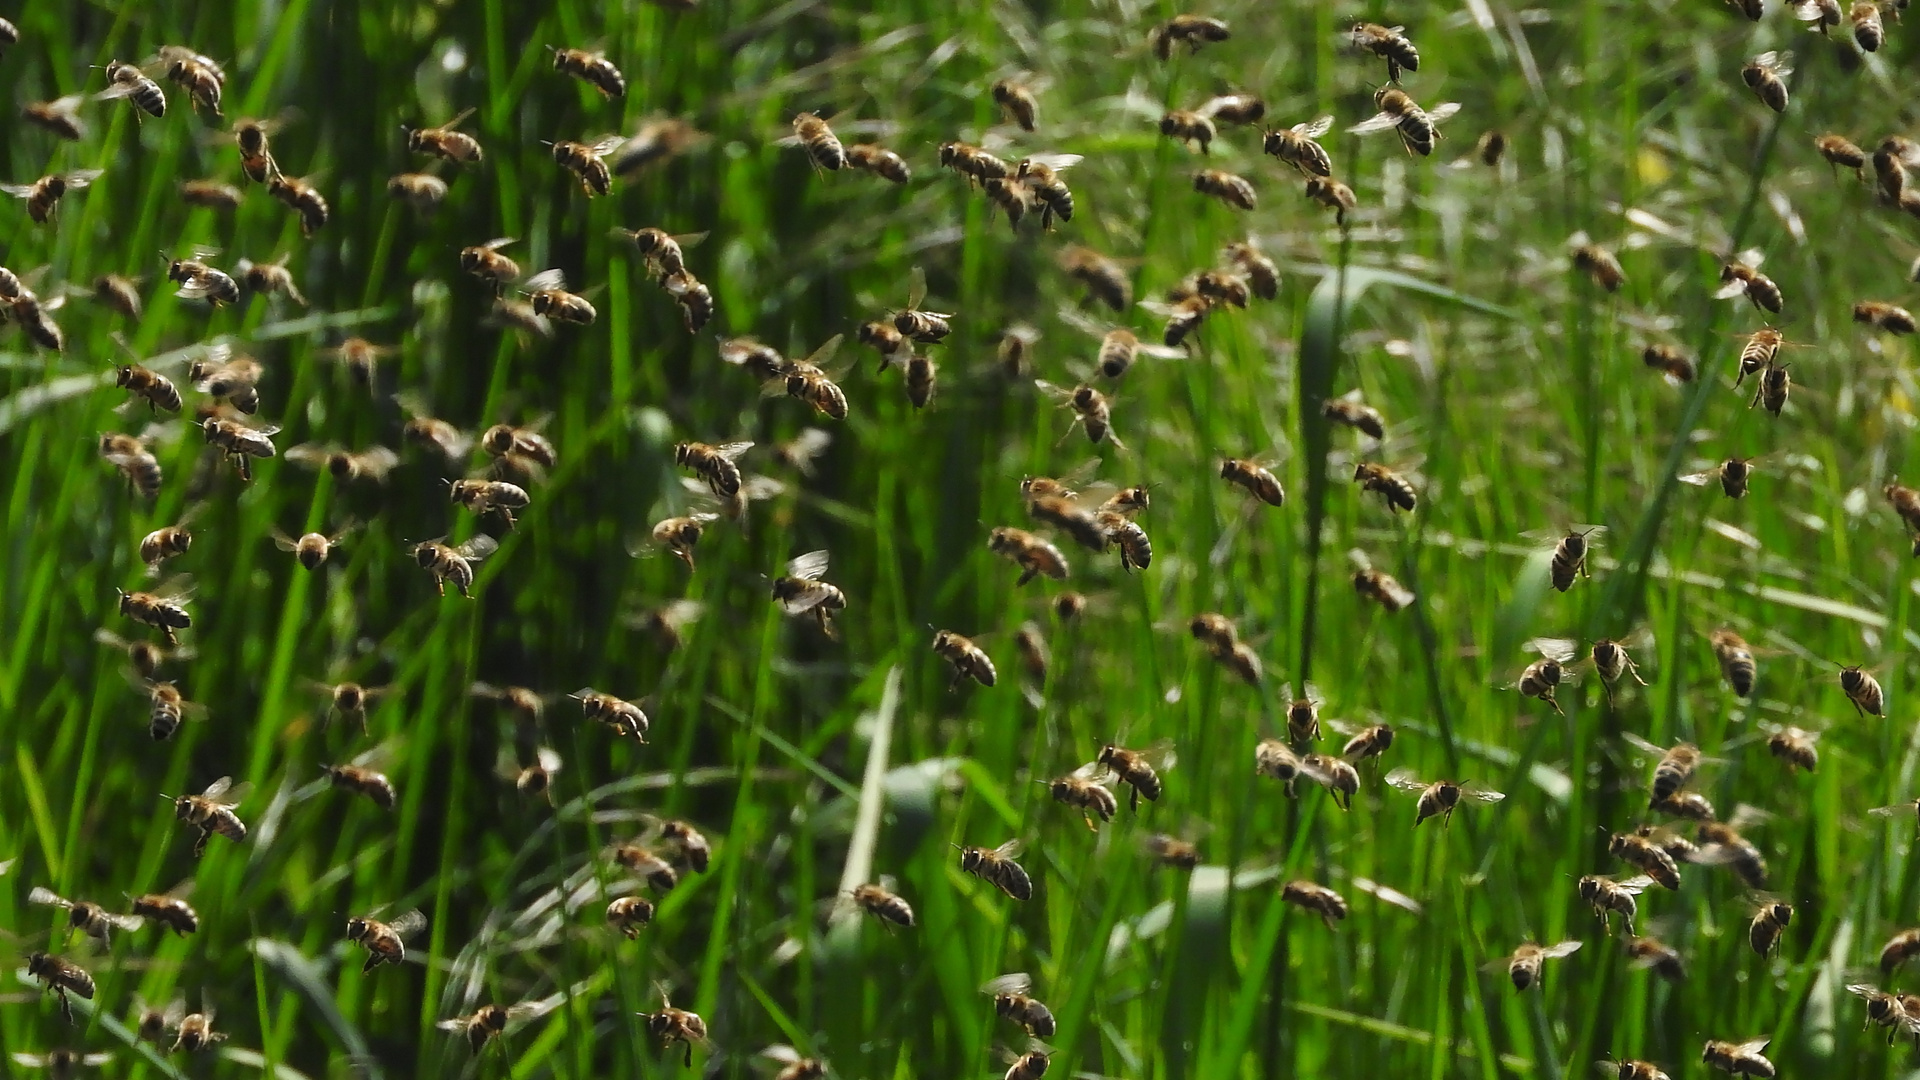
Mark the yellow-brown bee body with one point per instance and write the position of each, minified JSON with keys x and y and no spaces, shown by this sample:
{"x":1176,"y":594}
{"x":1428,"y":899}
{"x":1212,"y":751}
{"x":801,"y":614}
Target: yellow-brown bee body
{"x":1649,"y":858}
{"x":1736,"y":660}
{"x":1600,"y":265}
{"x":362,"y":781}
{"x":1796,"y":747}
{"x":1138,"y":769}
{"x":453,"y":563}
{"x":211,"y":812}
{"x":998,"y":868}
{"x":591,"y":68}
{"x":1012,"y":1000}
{"x":485,"y":262}
{"x":1738,"y":277}
{"x":60,"y":116}
{"x":883,"y":904}
{"x":1766,"y":76}
{"x":671,"y":1025}
{"x":1395,"y":490}
{"x":969,"y":661}
{"x":1189,"y":127}
{"x":1389,"y":43}
{"x":713,"y":464}
{"x":170,"y":910}
{"x":879,"y":161}
{"x":1333,"y":195}
{"x":1173,"y":851}
{"x":1610,"y":897}
{"x":630,"y":915}
{"x":303,"y":199}
{"x":822,"y":146}
{"x":385,"y":942}
{"x":1669,"y":360}
{"x":62,"y":977}
{"x":446,"y":143}
{"x":1317,"y":898}
{"x":587,"y":162}
{"x":1663,"y":959}
{"x":1033,"y":554}
{"x":1104,"y":279}
{"x":1526,"y":963}
{"x":1017,"y":102}
{"x":1740,"y":1059}
{"x":626,"y":719}
{"x":273,"y":277}
{"x":1190,"y":30}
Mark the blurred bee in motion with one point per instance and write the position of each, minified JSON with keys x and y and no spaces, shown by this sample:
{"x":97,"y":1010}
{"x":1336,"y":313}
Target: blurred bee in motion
{"x":1524,"y":966}
{"x":1235,"y":109}
{"x":1797,"y":748}
{"x":311,"y":549}
{"x":713,"y":464}
{"x":1012,"y":999}
{"x":252,"y":137}
{"x":802,"y":591}
{"x":1609,"y":897}
{"x":273,"y":277}
{"x":1491,"y":148}
{"x":1275,"y":760}
{"x":1189,"y":128}
{"x":1303,"y":713}
{"x":1034,"y":555}
{"x":1121,"y":531}
{"x":1597,"y":263}
{"x":997,"y":868}
{"x":210,"y":194}
{"x":969,"y":661}
{"x":198,"y":281}
{"x":1120,"y":349}
{"x":627,"y":719}
{"x":1349,"y":409}
{"x":1823,"y":14}
{"x":518,"y":452}
{"x":143,"y":656}
{"x":800,"y":452}
{"x":1770,"y":920}
{"x":128,"y":81}
{"x":146,"y":384}
{"x":882,"y":903}
{"x":1669,"y":360}
{"x":676,"y":535}
{"x":446,"y":143}
{"x":60,"y":1062}
{"x":164,"y":610}
{"x":386,"y":943}
{"x":1369,"y":742}
{"x":659,"y":139}
{"x":1382,"y":588}
{"x":689,"y":842}
{"x":302,"y":198}
{"x":211,"y":812}
{"x":1222,"y":639}
{"x":921,"y":375}
{"x":43,"y":195}
{"x":170,"y":909}
{"x":1333,"y":195}
{"x":1863,"y":690}
{"x":1741,"y":277}
{"x":587,"y":162}
{"x":1394,"y":489}
{"x":548,"y":288}
{"x":1106,"y":280}
{"x":490,"y":497}
{"x":630,"y":915}
{"x":527,"y":705}
{"x":1172,"y":851}
{"x":1389,"y":43}
{"x":535,"y":779}
{"x":60,"y":116}
{"x":371,"y":465}
{"x":1869,"y":31}
{"x":1733,"y":475}
{"x":167,"y":709}
{"x":1418,"y":128}
{"x":1013,"y":198}
{"x":671,"y":1025}
{"x":1233,"y":190}
{"x":1091,"y":411}
{"x":1889,"y":317}
{"x":1736,"y":661}
{"x":453,"y":563}
{"x":1663,"y":959}
{"x":1015,"y":354}
{"x":1223,"y":287}
{"x":658,"y":872}
{"x":1646,"y":856}
{"x":1904,"y":945}
{"x":1886,"y":1010}
{"x":822,"y":146}
{"x":1673,"y":768}
{"x":794,"y":1066}
{"x":1139,"y":769}
{"x":1906,"y":503}
{"x":1017,"y":102}
{"x":1766,"y":75}
{"x":1317,"y":898}
{"x":199,"y":76}
{"x":973,"y":162}
{"x":1841,"y":153}
{"x":360,"y":778}
{"x":1190,"y":30}
{"x":34,"y":315}
{"x":122,"y":294}
{"x":1441,"y":797}
{"x":422,"y":191}
{"x":1759,"y":351}
{"x":923,"y":326}
{"x":591,"y":68}
{"x":1720,"y":843}
{"x":1028,"y":1066}
{"x":489,"y":1022}
{"x":879,"y":161}
{"x":62,"y":977}
{"x":87,"y":917}
{"x":348,"y":700}
{"x":485,"y":262}
{"x":1262,"y":276}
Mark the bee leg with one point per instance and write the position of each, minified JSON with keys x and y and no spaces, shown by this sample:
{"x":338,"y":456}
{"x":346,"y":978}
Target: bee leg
{"x":689,"y":1045}
{"x":1133,"y":801}
{"x":66,"y":1007}
{"x":373,"y":961}
{"x":200,"y":845}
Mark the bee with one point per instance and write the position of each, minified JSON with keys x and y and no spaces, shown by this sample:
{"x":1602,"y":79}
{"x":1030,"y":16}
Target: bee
{"x":200,"y":77}
{"x":60,"y":116}
{"x":1672,"y":771}
{"x":256,"y":154}
{"x":997,"y":868}
{"x":1889,"y":317}
{"x":1418,"y":128}
{"x":883,"y":904}
{"x":1092,"y":410}
{"x":671,"y":1025}
{"x":518,"y":451}
{"x":678,"y":536}
{"x":1233,"y":190}
{"x":1885,"y":1009}
{"x":1766,"y":76}
{"x":1739,"y":277}
{"x":534,"y":780}
{"x":119,"y":293}
{"x":1395,"y":490}
{"x":1906,"y":503}
{"x":489,"y":1022}
{"x":1734,"y":475}
{"x":1139,"y":769}
{"x":879,"y":161}
{"x":1235,"y":109}
{"x":128,"y":81}
{"x":548,"y":288}
{"x":1869,"y":32}
{"x":170,"y":909}
{"x":587,"y":162}
{"x":1904,"y":945}
{"x":690,"y":842}
{"x":61,"y":1063}
{"x":659,"y":873}
{"x":1390,"y":44}
{"x":1333,"y":195}
{"x":1355,"y":413}
{"x":490,"y":496}
{"x":43,"y":195}
{"x":372,"y":464}
{"x":361,"y":779}
{"x":1570,"y":558}
{"x":1189,"y":127}
{"x":1382,"y":588}
{"x":1218,"y":633}
{"x":1260,"y":273}
{"x":1524,"y":966}
{"x":1824,"y":14}
{"x":1721,"y":842}
{"x":135,"y":462}
{"x":659,"y":139}
{"x":1736,"y":661}
{"x":1743,"y":1059}
{"x":1863,"y":690}
{"x":792,"y":1065}
{"x":1597,"y":263}
{"x":1796,"y":747}
{"x":1275,"y":760}
{"x":664,"y":254}
{"x":805,"y":380}
{"x":922,"y":326}
{"x":63,"y":977}
{"x":385,"y":942}
{"x":1172,"y":851}
{"x":167,"y":709}
{"x":1028,"y":1066}
{"x":694,"y":298}
{"x":151,"y":1024}
{"x":591,"y":68}
{"x":211,"y":811}
{"x":1759,"y":351}
{"x":1317,"y":898}
{"x":1370,"y":742}
{"x":453,"y":563}
{"x":198,"y":281}
{"x":89,"y":918}
{"x":210,"y":194}
{"x":627,"y":719}
{"x":822,"y":146}
{"x":1012,"y":1000}
{"x":145,"y":383}
{"x":802,"y":591}
{"x":311,"y":549}
{"x":143,"y":656}
{"x":973,"y":162}
{"x":713,"y":464}
{"x":1646,"y":856}
{"x":1190,"y":30}
{"x":1222,"y":287}
{"x":1841,"y":153}
{"x":485,"y":262}
{"x":1119,"y":349}
{"x":1670,"y":361}
{"x":1541,"y":678}
{"x":165,"y":611}
{"x":422,"y":191}
{"x":446,"y":143}
{"x":1440,"y":797}
{"x":1040,"y":174}
{"x":1664,"y":959}
{"x":1015,"y":353}
{"x":969,"y":661}
{"x":1136,"y":550}
{"x":270,"y":278}
{"x":1033,"y":554}
{"x":629,"y":915}
{"x":1303,"y":714}
{"x":1017,"y":102}
{"x":1774,"y":386}
{"x":1105,"y":279}
{"x":1491,"y":148}
{"x":302,"y":198}
{"x":1609,"y":896}
{"x":36,"y":318}
{"x":527,"y":705}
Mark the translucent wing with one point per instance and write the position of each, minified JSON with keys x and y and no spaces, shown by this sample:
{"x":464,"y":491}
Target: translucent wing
{"x":608,"y":145}
{"x":1405,"y":780}
{"x":820,"y":356}
{"x":1160,"y":755}
{"x":1700,"y":479}
{"x":1478,"y":792}
{"x":732,"y":450}
{"x":916,"y":289}
{"x":1011,"y":849}
{"x":477,"y":548}
{"x":1314,"y":128}
{"x":497,"y":242}
{"x":409,"y":924}
{"x":1753,"y":1046}
{"x":809,"y":567}
{"x":1564,"y":948}
{"x":218,"y":787}
{"x":1379,"y":122}
{"x":1908,"y":807}
{"x":81,"y":178}
{"x":1561,"y":649}
{"x":1442,"y":111}
{"x":458,"y":1023}
{"x":42,"y":895}
{"x":806,"y":601}
{"x":1013,"y":983}
{"x":546,"y":279}
{"x":1056,"y":162}
{"x":1643,"y":745}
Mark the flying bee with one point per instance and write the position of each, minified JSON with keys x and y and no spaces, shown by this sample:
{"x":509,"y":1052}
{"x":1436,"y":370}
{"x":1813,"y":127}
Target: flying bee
{"x":1015,"y":352}
{"x":490,"y":496}
{"x":664,"y":254}
{"x":362,"y":780}
{"x":62,"y":977}
{"x":1841,"y":153}
{"x":1736,"y":660}
{"x":385,"y":942}
{"x":1190,"y":30}
{"x":128,"y":81}
{"x":1303,"y":713}
{"x":36,"y":318}
{"x":1369,"y":742}
{"x":170,"y":909}
{"x":1740,"y":277}
{"x":1223,"y":287}
{"x":591,"y":68}
{"x":1091,"y":410}
{"x":671,"y":1025}
{"x":713,"y":464}
{"x":1664,"y":959}
{"x":808,"y":381}
{"x":146,"y":384}
{"x":446,"y":143}
{"x":1885,"y":1009}
{"x":1889,"y":317}
{"x":1491,"y":148}
{"x":973,"y":162}
{"x":348,"y":700}
{"x":311,"y":549}
{"x":1869,"y":31}
{"x":118,"y":292}
{"x":1904,"y":945}
{"x":1105,"y":279}
{"x":211,"y":812}
{"x":167,"y":709}
{"x":143,"y":656}
{"x":1136,"y":553}
{"x":1673,"y":769}
{"x":1333,"y":195}
{"x":626,"y":719}
{"x":485,"y":262}
{"x":882,"y":903}
{"x":1609,"y":897}
{"x":534,"y":780}
{"x":1570,"y":557}
{"x":879,"y":161}
{"x":193,"y":1032}
{"x":630,"y":915}
{"x":1734,"y":474}
{"x":60,"y":116}
{"x":1395,"y":490}
{"x":1034,"y":555}
{"x":1759,"y":351}
{"x":1389,"y":43}
{"x":1337,"y":775}
{"x":1227,"y":187}
{"x":1298,"y":146}
{"x":802,"y":591}
{"x":658,"y":872}
{"x":548,"y":288}
{"x":1013,"y":198}
{"x":422,"y":191}
{"x":165,"y":611}
{"x":1769,"y":925}
{"x":302,"y":198}
{"x":969,"y":661}
{"x":252,"y":137}
{"x":1720,"y":843}
{"x":1041,"y":175}
{"x":1139,"y":769}
{"x":794,"y":1066}
{"x":1119,"y":349}
{"x":1824,"y":14}
{"x":523,"y":446}
{"x":1031,"y":1065}
{"x":1669,"y":360}
{"x":210,"y":194}
{"x":1382,"y":588}
{"x":1418,"y":128}
{"x":1796,"y":747}
{"x":823,"y":148}
{"x":1012,"y":999}
{"x":1275,"y":760}
{"x":1597,"y":263}
{"x":691,"y":844}
{"x":43,"y":195}
{"x":453,"y":563}
{"x":1355,"y":413}
{"x":1189,"y":127}
{"x":60,"y":1062}
{"x":1863,"y":690}
{"x":1541,"y":678}
{"x":998,"y":868}
{"x":198,"y":281}
{"x":489,"y":1022}
{"x":89,"y":918}
{"x":678,"y":536}
{"x":1766,"y":75}
{"x":659,"y":139}
{"x":1262,"y":276}
{"x":273,"y":277}
{"x":1172,"y":851}
{"x":1017,"y":102}
{"x":587,"y":162}
{"x":1235,"y":109}
{"x":371,"y":465}
{"x":199,"y":76}
{"x":923,"y":326}
{"x":1645,"y":855}
{"x":1069,"y":515}
{"x":1524,"y":966}
{"x":1441,"y":797}
{"x":1906,"y":503}
{"x":136,"y":464}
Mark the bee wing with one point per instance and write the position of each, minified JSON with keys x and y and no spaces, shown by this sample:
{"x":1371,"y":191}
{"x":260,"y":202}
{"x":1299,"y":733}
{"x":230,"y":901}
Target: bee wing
{"x":1094,"y":771}
{"x":607,"y":145}
{"x":731,"y":451}
{"x":1160,"y":755}
{"x":1564,"y":948}
{"x":824,"y":353}
{"x":1378,"y":122}
{"x":1752,"y":1046}
{"x":1442,"y":111}
{"x":1389,"y":895}
{"x":218,"y":787}
{"x":1057,"y":162}
{"x":497,"y":242}
{"x":1643,"y":745}
{"x":811,"y":567}
{"x":31,"y":1061}
{"x":1314,"y":128}
{"x":553,"y":278}
{"x":1635,"y":885}
{"x":408,"y":924}
{"x":1161,"y":352}
{"x":916,"y":288}
{"x":1016,"y":982}
{"x":1011,"y":849}
{"x":125,"y":922}
{"x":806,"y":601}
{"x":21,"y":191}
{"x":1479,"y":792}
{"x":1865,"y":990}
{"x":1499,"y":963}
{"x":477,"y":548}
{"x":82,"y":177}
{"x":233,"y":795}
{"x":457,"y":120}
{"x":1052,"y":390}
{"x":458,"y":1023}
{"x":1561,"y":649}
{"x":1405,"y":780}
{"x":43,"y":895}
{"x":1700,"y":479}
{"x":1895,"y":810}
{"x":1733,"y":288}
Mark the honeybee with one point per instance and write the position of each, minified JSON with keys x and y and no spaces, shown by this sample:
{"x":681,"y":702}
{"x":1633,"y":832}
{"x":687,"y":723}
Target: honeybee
{"x":664,"y":254}
{"x":490,"y":496}
{"x":89,"y":918}
{"x":658,"y":139}
{"x":658,"y":872}
{"x":997,"y":868}
{"x":128,"y":81}
{"x":1034,"y":555}
{"x":591,"y":68}
{"x":1733,"y":474}
{"x":43,"y":195}
{"x":1011,"y":999}
{"x":1597,"y":263}
{"x":587,"y":162}
{"x":1904,"y":945}
{"x":135,"y":462}
{"x":1017,"y":102}
{"x":36,"y":317}
{"x":1441,"y":796}
{"x":969,"y":661}
{"x":535,"y":780}
{"x":627,"y":719}
{"x":1233,"y":190}
{"x":1742,"y":1059}
{"x":1736,"y":660}
{"x":385,"y":942}
{"x":671,"y":1025}
{"x":485,"y":262}
{"x":1673,"y":769}
{"x":270,"y":278}
{"x":1524,"y":966}
{"x":199,"y":76}
{"x":60,"y":116}
{"x":1390,"y":44}
{"x":1395,"y":490}
{"x":453,"y":563}
{"x":1172,"y":851}
{"x":422,"y":191}
{"x":1824,"y":14}
{"x":548,"y":288}
{"x":363,"y":780}
{"x":60,"y":1062}
{"x":489,"y":1022}
{"x":1766,"y":75}
{"x":807,"y":381}
{"x":793,"y":1066}
{"x":802,"y":591}
{"x":1260,"y":273}
{"x":1369,"y":742}
{"x":165,"y":611}
{"x":1863,"y":690}
{"x":1491,"y":148}
{"x":1119,"y":349}
{"x":1570,"y":557}
{"x":690,"y":842}
{"x":1664,"y":959}
{"x":1885,"y":1009}
{"x":167,"y":709}
{"x":1136,"y":553}
{"x":527,"y":705}
{"x":1317,"y":898}
{"x":1869,"y":32}
{"x":156,"y":389}
{"x":1139,"y":769}
{"x":1191,"y":30}
{"x":1040,"y":174}
{"x":882,"y":903}
{"x":372,"y":464}
{"x":1189,"y":127}
{"x":211,"y":811}
{"x":973,"y":162}
{"x":63,"y":977}
{"x":1015,"y":353}
{"x":1840,"y":153}
{"x":120,"y":293}
{"x":1382,"y":588}
{"x":1418,"y":128}
{"x":1541,"y":678}
{"x":446,"y":143}
{"x":302,"y":198}
{"x":198,"y":281}
{"x":1333,"y":195}
{"x":170,"y":909}
{"x":1235,"y":108}
{"x":879,"y":161}
{"x":713,"y":464}
{"x":1796,"y":747}
{"x":922,"y":326}
{"x":1720,"y":842}
{"x":1351,"y":410}
{"x":678,"y":536}
{"x":312,"y":548}
{"x":818,"y":140}
{"x":1031,"y":1065}
{"x":1105,"y":279}
{"x":1670,"y":361}
{"x":1889,"y":317}
{"x":630,"y":915}
{"x":144,"y":657}
{"x":1609,"y":896}
{"x":1222,"y":287}
{"x":1759,"y":351}
{"x":256,"y":154}
{"x":210,"y":194}
{"x":1646,"y":856}
{"x":1275,"y":760}
{"x":1091,"y":410}
{"x":1740,"y":277}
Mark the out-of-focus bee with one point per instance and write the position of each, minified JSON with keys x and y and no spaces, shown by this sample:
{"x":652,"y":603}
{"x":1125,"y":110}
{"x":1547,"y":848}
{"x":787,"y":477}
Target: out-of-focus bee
{"x":1673,"y":769}
{"x":1017,"y":102}
{"x":1303,"y":713}
{"x":689,"y":841}
{"x":800,"y":452}
{"x":1869,"y":32}
{"x":880,"y":161}
{"x":969,"y":661}
{"x":1609,"y":896}
{"x":1223,"y":287}
{"x":1258,"y":479}
{"x":1441,"y":796}
{"x":270,"y":278}
{"x":627,"y":719}
{"x":528,"y":706}
{"x":1031,"y":1065}
{"x":1389,"y":43}
{"x":1663,"y":959}
{"x":199,"y":76}
{"x":1260,"y":272}
{"x":129,"y":454}
{"x":973,"y":162}
{"x":882,"y":903}
{"x":1863,"y":690}
{"x":453,"y":563}
{"x":519,"y":453}
{"x":923,"y":326}
{"x":1106,"y":279}
{"x":1889,"y":317}
{"x":630,"y":915}
{"x":801,"y":591}
{"x":1172,"y":851}
{"x":1091,"y":410}
{"x":1597,"y":263}
{"x":1015,"y":353}
{"x":694,"y":298}
{"x":534,"y":780}
{"x":1720,"y":843}
{"x":808,"y":381}
{"x":658,"y":872}
{"x":1740,"y":1059}
{"x":63,"y":977}
{"x":1759,"y":351}
{"x":198,"y":281}
{"x":1034,"y":555}
{"x":360,"y":357}
{"x":1190,"y":30}
{"x":1491,"y":148}
{"x":489,"y":1022}
{"x":1275,"y":760}
{"x":1740,"y":277}
{"x":1136,"y":549}
{"x":997,"y":868}
{"x":143,"y":656}
{"x":1841,"y":153}
{"x":210,"y":194}
{"x":713,"y":464}
{"x":311,"y":549}
{"x":1382,"y":588}
{"x":128,"y":81}
{"x":1644,"y":854}
{"x":1012,"y":999}
{"x":1351,"y":410}
{"x":372,"y":464}
{"x":43,"y":195}
{"x":1570,"y":557}
{"x":60,"y":1062}
{"x":587,"y":162}
{"x":1222,"y":639}
{"x":659,"y":139}
{"x":302,"y":198}
{"x":1337,"y":775}
{"x":120,"y":293}
{"x":446,"y":143}
{"x":211,"y":811}
{"x":1824,"y":14}
{"x":1736,"y":660}
{"x":348,"y":700}
{"x":165,"y":610}
{"x":677,"y":536}
{"x":671,"y":1025}
{"x":1886,"y":1009}
{"x":822,"y":146}
{"x":591,"y":68}
{"x":794,"y":1066}
{"x":1524,"y":966}
{"x":150,"y":1024}
{"x":1766,"y":75}
{"x":1139,"y":769}
{"x":1333,"y":195}
{"x":1904,"y":945}
{"x":1906,"y":503}
{"x":1299,"y":147}
{"x":1734,"y":475}
{"x":422,"y":191}
{"x":548,"y":288}
{"x":1395,"y":490}
{"x":60,"y":116}
{"x":1418,"y":128}
{"x":1233,"y":190}
{"x":1369,"y":742}
{"x":360,"y":778}
{"x":34,"y":315}
{"x":89,"y":918}
{"x":1669,"y":360}
{"x":167,"y":709}
{"x":1235,"y":109}
{"x":490,"y":496}
{"x":385,"y":942}
{"x":256,"y":154}
{"x":485,"y":262}
{"x":1119,"y":349}
{"x":1797,"y":748}
{"x":1189,"y":127}
{"x":170,"y":909}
